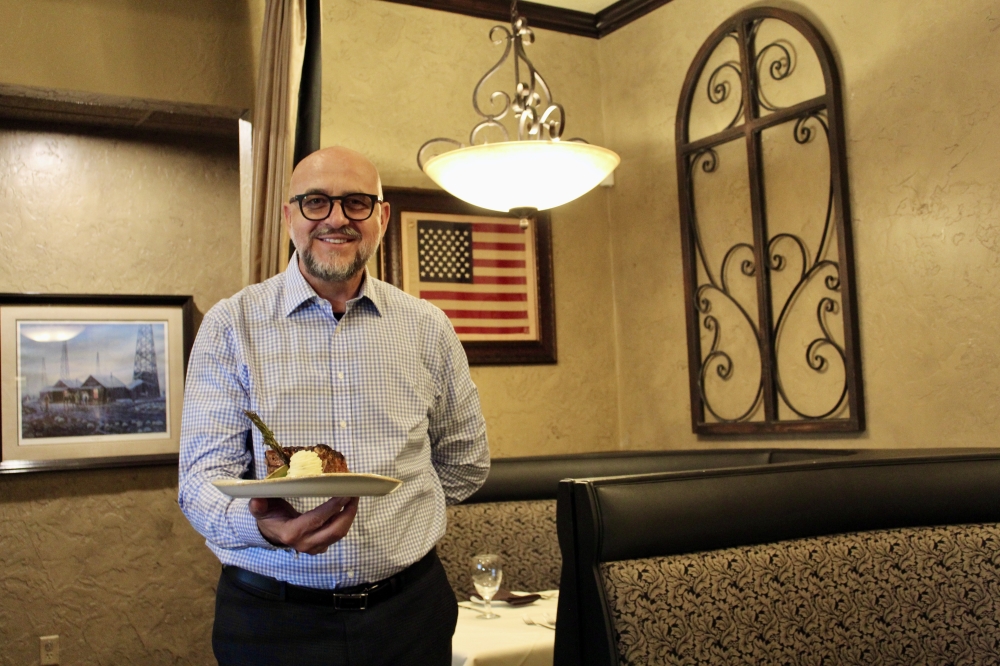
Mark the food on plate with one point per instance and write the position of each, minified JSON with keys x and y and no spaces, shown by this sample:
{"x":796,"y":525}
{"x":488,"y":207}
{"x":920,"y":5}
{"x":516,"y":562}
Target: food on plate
{"x":327,"y":460}
{"x":311,"y":461}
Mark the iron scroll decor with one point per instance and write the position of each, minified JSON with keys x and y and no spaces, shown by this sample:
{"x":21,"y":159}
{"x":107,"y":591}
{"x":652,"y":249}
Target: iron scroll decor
{"x":769,"y":282}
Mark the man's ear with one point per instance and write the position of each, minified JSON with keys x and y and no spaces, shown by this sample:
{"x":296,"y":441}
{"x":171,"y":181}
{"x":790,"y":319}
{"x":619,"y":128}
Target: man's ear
{"x":385,"y":216}
{"x":286,"y":216}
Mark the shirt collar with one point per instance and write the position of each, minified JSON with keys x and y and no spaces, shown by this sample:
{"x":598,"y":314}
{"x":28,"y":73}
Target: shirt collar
{"x":298,"y":291}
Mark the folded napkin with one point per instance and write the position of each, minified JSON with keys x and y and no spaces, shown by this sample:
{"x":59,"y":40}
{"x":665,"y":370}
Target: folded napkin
{"x":512,"y":599}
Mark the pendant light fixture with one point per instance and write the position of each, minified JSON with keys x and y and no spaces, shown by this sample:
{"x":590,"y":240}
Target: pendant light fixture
{"x":538,"y":170}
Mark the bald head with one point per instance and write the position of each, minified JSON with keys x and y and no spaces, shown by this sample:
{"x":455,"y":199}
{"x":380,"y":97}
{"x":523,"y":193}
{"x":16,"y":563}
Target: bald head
{"x":352,"y":171}
{"x":333,"y":250}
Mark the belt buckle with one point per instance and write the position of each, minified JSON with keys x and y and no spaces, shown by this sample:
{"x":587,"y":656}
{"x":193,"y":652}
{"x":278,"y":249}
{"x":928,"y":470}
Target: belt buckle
{"x":350,"y":602}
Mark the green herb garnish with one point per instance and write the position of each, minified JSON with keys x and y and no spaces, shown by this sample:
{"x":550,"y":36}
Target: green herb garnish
{"x":268,"y":437}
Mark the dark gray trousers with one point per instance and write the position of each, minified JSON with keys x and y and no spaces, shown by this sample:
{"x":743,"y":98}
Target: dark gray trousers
{"x":413,"y":627}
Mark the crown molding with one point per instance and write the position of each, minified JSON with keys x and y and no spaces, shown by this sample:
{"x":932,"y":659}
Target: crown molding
{"x":622,"y":13}
{"x":539,"y":16}
{"x":568,"y":21}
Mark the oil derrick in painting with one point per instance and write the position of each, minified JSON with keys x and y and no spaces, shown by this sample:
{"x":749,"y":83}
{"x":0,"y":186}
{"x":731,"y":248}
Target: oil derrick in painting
{"x":144,"y":369}
{"x":64,"y":362}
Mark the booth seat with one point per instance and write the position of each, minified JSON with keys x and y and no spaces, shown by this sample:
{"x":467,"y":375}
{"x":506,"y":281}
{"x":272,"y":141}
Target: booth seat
{"x":514,"y":513}
{"x":876,"y":558}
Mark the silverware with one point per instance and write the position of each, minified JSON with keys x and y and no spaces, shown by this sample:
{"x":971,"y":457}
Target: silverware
{"x":547,"y":622}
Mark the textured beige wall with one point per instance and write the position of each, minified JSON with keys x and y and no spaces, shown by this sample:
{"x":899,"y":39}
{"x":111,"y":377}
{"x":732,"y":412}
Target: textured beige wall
{"x":91,"y":214}
{"x":922,"y":85}
{"x":395,"y":76}
{"x":105,"y":559}
{"x":196,"y":51}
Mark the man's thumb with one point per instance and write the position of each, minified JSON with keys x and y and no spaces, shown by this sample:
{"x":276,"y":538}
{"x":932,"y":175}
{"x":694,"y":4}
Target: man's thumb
{"x":259,"y":507}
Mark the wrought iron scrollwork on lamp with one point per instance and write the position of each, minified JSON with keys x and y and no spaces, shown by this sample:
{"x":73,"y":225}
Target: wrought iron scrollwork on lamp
{"x":538,"y":170}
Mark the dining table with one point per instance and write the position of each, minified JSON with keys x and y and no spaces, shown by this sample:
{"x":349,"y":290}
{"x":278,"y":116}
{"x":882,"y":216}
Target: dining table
{"x":508,"y":640}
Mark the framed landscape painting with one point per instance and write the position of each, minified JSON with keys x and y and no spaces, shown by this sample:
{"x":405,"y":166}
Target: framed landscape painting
{"x":91,"y":381}
{"x":489,"y":272}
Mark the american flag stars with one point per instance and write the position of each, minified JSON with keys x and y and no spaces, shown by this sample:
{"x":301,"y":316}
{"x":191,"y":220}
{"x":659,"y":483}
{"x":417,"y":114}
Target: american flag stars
{"x":444,"y":251}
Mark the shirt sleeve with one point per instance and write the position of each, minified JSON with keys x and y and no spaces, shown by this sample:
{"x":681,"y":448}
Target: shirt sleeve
{"x":459,"y":449}
{"x":213,"y":438}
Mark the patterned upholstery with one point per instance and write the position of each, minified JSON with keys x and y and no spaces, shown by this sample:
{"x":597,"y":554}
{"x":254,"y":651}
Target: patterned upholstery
{"x":903,"y":596}
{"x":524,"y":533}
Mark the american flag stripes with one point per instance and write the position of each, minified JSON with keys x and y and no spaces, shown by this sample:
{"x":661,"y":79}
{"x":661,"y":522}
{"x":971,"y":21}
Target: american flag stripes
{"x":480,"y":271}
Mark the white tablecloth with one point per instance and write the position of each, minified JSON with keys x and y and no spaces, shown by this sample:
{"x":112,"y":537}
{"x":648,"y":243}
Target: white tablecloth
{"x":506,"y":641}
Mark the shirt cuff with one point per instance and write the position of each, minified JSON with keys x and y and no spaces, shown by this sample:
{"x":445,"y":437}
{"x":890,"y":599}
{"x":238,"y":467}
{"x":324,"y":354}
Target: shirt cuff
{"x":245,"y":525}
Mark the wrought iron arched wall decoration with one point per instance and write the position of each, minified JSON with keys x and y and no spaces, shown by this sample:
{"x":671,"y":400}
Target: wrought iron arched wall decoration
{"x":751,"y":286}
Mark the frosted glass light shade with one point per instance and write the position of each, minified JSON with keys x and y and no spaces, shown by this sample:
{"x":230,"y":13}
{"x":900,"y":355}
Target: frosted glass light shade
{"x":522,"y":174}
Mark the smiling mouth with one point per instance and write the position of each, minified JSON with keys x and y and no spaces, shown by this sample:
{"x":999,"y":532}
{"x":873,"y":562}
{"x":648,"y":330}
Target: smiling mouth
{"x":331,"y":236}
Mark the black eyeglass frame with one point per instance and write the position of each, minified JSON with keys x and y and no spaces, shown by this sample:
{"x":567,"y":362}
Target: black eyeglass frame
{"x":373,"y":198}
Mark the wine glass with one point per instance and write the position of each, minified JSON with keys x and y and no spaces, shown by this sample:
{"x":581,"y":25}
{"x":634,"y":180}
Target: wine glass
{"x":487,"y":572}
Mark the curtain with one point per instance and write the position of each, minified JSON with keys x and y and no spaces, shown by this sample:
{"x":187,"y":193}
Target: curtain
{"x":274,"y":125}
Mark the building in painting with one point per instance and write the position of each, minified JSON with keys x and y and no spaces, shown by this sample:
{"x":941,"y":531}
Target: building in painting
{"x":143,"y":390}
{"x":101,"y":389}
{"x":97,"y":390}
{"x":64,"y":391}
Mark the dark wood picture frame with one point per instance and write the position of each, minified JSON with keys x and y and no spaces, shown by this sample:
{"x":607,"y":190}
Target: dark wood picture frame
{"x":520,"y":352}
{"x":91,"y":309}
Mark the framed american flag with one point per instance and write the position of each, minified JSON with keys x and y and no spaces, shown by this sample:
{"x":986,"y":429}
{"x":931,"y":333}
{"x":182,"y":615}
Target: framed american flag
{"x":489,"y":272}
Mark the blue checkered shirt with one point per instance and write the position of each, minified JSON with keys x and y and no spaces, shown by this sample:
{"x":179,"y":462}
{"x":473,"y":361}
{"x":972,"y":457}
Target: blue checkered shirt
{"x":388,"y":386}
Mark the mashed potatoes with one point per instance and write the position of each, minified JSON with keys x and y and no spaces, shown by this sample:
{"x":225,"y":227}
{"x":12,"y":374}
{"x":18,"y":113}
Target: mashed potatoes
{"x":305,"y":463}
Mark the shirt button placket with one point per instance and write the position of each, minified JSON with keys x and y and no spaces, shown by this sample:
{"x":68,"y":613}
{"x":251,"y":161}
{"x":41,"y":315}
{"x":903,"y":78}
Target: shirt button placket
{"x":340,"y":377}
{"x":340,"y":353}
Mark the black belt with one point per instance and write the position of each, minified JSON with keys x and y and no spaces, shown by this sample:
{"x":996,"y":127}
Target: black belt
{"x":358,"y":597}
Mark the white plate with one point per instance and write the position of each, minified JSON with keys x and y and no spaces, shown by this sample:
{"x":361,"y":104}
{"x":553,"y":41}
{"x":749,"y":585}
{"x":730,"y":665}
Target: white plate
{"x":325,"y":485}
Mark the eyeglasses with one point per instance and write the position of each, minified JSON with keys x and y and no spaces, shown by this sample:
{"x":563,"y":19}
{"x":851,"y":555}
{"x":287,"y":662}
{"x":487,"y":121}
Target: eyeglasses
{"x":317,"y":206}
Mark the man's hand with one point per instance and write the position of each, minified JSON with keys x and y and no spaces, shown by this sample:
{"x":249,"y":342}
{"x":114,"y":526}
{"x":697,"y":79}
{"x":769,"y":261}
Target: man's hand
{"x":311,"y":532}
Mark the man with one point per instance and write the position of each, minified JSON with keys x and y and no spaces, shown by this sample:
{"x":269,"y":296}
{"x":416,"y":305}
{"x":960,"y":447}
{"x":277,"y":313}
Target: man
{"x":327,"y":354}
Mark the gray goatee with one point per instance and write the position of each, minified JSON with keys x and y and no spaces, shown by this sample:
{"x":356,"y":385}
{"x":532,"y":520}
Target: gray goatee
{"x":334,"y":273}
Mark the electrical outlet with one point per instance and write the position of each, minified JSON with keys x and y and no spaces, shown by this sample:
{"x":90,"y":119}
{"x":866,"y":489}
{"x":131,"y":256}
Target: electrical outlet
{"x":48,"y":648}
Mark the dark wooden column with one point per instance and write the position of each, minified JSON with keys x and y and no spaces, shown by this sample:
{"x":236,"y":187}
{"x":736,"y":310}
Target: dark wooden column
{"x":307,"y":127}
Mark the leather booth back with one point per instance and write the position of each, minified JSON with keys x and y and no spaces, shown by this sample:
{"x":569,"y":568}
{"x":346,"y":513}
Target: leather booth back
{"x":514,"y":513}
{"x":537,"y":477}
{"x":613,"y":519}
